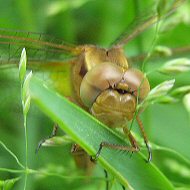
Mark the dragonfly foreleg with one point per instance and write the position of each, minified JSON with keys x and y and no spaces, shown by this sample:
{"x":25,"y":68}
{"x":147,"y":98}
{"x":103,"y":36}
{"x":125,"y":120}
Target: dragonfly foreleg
{"x":133,"y":148}
{"x":54,"y":133}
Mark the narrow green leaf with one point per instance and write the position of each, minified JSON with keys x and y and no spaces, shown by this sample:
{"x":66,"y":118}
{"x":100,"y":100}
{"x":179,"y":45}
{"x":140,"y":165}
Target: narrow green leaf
{"x":55,"y":7}
{"x":186,"y":102}
{"x":85,"y":130}
{"x":182,"y":188}
{"x":173,"y":165}
{"x":8,"y":184}
{"x":167,"y":100}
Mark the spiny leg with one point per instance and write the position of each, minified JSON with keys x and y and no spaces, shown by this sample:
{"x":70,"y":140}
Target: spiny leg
{"x":133,"y":148}
{"x":54,"y":132}
{"x":145,"y":138}
{"x":131,"y":139}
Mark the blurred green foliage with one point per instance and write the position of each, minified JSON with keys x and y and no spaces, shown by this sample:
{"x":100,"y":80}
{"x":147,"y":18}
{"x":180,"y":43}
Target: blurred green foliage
{"x":93,"y":22}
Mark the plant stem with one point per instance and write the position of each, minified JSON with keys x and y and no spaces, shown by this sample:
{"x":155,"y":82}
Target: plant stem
{"x":12,"y":154}
{"x":26,"y":151}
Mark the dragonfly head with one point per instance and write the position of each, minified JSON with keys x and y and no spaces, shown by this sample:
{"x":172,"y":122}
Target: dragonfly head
{"x":110,"y":92}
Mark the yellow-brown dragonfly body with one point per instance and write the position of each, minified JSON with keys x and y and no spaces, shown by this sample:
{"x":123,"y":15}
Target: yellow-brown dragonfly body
{"x":108,"y":89}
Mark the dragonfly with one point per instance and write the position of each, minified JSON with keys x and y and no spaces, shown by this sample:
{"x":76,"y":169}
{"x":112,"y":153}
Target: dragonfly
{"x":118,"y":89}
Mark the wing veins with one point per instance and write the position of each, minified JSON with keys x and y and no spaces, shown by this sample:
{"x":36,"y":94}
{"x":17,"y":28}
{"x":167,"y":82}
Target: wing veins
{"x":74,"y":50}
{"x":139,"y":25}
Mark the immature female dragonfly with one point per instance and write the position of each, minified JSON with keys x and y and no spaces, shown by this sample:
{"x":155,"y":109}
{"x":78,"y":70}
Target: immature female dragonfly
{"x":101,"y":81}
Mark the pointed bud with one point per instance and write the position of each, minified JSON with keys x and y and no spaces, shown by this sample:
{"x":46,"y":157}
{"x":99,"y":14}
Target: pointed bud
{"x":22,"y":65}
{"x":159,"y":94}
{"x":25,"y":91}
{"x":176,"y":66}
{"x":163,"y":51}
{"x":181,"y":91}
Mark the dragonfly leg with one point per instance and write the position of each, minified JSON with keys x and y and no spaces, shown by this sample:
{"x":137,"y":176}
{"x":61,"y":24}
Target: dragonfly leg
{"x":145,"y":138}
{"x":107,"y":182}
{"x":54,"y":132}
{"x":133,"y":148}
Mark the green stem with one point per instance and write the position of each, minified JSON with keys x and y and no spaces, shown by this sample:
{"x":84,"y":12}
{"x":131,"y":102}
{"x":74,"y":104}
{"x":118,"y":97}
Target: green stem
{"x":26,"y":151}
{"x":37,"y":172}
{"x":12,"y":154}
{"x":11,"y":170}
{"x":26,"y":140}
{"x":152,"y":46}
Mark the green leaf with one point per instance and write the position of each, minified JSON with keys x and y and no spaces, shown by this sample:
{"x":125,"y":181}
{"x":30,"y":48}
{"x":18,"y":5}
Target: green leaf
{"x":88,"y":132}
{"x":180,"y":91}
{"x":173,"y":165}
{"x":8,"y":184}
{"x":55,"y":7}
{"x":186,"y":101}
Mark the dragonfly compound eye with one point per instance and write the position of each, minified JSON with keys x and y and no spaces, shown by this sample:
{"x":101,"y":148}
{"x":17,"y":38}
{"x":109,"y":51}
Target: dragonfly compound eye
{"x":137,"y":82}
{"x":98,"y":79}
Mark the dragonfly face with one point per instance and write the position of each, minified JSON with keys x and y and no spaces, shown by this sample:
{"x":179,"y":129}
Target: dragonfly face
{"x":106,"y":87}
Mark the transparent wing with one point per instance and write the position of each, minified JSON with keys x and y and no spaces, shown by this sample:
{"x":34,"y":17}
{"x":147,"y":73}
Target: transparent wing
{"x":40,"y":47}
{"x":144,"y":21}
{"x":49,"y":57}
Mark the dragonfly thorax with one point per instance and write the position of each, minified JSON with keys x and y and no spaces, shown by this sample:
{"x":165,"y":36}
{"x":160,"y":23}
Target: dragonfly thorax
{"x":94,"y":56}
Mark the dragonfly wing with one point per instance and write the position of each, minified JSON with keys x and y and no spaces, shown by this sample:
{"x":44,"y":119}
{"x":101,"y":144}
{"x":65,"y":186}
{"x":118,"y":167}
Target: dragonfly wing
{"x":50,"y":58}
{"x":39,"y":46}
{"x":144,"y":21}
